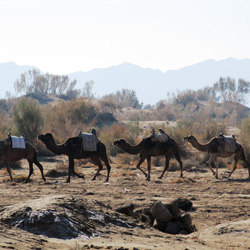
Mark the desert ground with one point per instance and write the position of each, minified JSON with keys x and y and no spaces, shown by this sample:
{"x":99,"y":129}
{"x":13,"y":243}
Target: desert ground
{"x":81,"y":214}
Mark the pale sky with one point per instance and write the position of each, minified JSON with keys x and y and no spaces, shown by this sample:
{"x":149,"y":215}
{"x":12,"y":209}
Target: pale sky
{"x":65,"y":36}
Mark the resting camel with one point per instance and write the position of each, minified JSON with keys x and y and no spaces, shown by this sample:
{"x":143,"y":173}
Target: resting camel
{"x":9,"y":154}
{"x":147,"y":148}
{"x":215,"y":148}
{"x":73,"y":149}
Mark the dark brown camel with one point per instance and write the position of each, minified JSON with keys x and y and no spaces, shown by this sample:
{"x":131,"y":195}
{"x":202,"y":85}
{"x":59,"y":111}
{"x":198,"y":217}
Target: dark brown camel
{"x":147,"y":148}
{"x":73,"y":149}
{"x":9,"y":154}
{"x":215,"y":148}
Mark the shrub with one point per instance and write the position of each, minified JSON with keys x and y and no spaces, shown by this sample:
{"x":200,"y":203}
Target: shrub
{"x":27,"y":118}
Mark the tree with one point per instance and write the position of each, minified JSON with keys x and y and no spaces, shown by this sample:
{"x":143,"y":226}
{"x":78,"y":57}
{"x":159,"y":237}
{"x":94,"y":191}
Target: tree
{"x":87,"y":90}
{"x":27,"y":118}
{"x":227,"y":90}
{"x":35,"y":82}
{"x":243,"y":89}
{"x":124,"y":98}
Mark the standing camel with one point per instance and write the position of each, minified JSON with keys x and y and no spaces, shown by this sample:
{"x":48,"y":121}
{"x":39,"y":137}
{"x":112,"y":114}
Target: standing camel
{"x":215,"y":148}
{"x":73,"y":149}
{"x":148,"y":148}
{"x":9,"y":154}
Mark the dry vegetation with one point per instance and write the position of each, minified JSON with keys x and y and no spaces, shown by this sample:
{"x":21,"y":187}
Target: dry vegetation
{"x":221,"y":212}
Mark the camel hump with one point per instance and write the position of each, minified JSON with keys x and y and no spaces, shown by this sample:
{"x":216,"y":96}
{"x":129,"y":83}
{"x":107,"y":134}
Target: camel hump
{"x":93,"y":131}
{"x":160,"y":137}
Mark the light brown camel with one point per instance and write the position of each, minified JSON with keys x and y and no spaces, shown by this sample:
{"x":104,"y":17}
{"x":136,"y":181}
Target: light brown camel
{"x":148,"y":148}
{"x":215,"y":148}
{"x":73,"y":149}
{"x":9,"y":154}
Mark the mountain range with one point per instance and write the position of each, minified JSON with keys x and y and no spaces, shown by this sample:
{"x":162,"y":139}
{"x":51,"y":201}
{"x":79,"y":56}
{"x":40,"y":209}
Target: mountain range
{"x":150,"y":85}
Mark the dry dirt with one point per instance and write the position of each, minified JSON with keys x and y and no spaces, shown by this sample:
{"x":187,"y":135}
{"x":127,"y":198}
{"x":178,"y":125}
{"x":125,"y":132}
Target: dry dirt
{"x":81,"y":214}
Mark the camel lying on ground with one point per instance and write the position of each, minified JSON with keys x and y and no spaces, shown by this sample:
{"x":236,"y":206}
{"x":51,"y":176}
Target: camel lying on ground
{"x":148,"y":148}
{"x":216,"y":149}
{"x":10,"y":154}
{"x":73,"y":149}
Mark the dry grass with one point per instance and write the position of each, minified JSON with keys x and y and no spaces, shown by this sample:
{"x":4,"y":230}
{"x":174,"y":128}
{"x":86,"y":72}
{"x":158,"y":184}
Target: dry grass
{"x":182,"y":180}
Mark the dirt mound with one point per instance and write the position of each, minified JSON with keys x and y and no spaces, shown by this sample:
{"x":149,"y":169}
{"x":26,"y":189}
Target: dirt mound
{"x":62,"y":217}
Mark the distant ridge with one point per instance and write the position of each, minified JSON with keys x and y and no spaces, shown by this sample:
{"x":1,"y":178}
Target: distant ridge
{"x":150,"y":85}
{"x":153,"y":85}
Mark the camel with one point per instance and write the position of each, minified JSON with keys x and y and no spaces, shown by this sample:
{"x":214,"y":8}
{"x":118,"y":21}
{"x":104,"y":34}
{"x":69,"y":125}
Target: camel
{"x":72,"y":147}
{"x":9,"y":154}
{"x":216,"y":149}
{"x":148,"y":148}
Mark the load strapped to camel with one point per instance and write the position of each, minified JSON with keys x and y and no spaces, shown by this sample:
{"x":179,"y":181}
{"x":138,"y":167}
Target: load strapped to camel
{"x":14,"y":141}
{"x":227,"y":142}
{"x":89,"y":141}
{"x":161,"y":137}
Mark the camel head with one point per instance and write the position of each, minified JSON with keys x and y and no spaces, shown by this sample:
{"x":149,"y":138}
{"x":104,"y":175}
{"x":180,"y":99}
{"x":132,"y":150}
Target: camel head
{"x":120,"y":143}
{"x":45,"y":138}
{"x":189,"y":138}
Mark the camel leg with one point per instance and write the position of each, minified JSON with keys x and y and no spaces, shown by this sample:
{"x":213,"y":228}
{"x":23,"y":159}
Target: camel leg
{"x":138,"y":166}
{"x":209,"y":162}
{"x":6,"y":164}
{"x":243,"y":158}
{"x":248,"y":165}
{"x":149,"y":167}
{"x":99,"y":164}
{"x":30,"y":172}
{"x":178,"y":158}
{"x":72,"y":170}
{"x":104,"y":158}
{"x":39,"y":165}
{"x":235,"y":165}
{"x":167,"y":157}
{"x":215,"y":162}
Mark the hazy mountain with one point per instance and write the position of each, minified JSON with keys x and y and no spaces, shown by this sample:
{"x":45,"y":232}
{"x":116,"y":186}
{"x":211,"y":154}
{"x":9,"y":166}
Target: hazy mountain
{"x":150,"y":85}
{"x":153,"y":85}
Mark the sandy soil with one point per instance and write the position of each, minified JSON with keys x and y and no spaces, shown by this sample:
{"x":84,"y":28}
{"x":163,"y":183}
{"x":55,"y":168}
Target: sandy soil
{"x":222,"y":214}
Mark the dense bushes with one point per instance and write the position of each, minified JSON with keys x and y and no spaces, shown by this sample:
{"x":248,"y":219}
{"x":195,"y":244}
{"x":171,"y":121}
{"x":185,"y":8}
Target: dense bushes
{"x":188,"y":112}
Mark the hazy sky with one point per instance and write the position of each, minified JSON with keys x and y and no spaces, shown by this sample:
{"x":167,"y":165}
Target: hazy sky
{"x":64,"y":36}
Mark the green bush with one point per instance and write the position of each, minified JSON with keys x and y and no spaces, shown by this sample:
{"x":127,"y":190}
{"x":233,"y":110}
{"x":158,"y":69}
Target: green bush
{"x":27,"y":118}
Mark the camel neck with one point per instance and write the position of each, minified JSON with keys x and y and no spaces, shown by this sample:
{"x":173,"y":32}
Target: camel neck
{"x":200,"y":147}
{"x":132,"y":149}
{"x":56,"y":149}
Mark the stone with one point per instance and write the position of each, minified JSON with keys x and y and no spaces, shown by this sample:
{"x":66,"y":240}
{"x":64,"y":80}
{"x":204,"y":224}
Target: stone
{"x":172,"y":228}
{"x":160,"y":212}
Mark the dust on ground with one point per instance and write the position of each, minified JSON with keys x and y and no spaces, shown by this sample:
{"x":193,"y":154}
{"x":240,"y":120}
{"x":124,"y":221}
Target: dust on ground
{"x":86,"y":209}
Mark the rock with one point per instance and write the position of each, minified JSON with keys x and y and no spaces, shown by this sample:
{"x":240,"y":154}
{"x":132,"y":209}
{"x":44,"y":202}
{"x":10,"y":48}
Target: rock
{"x":160,"y":225}
{"x":126,"y":209}
{"x":174,"y":210}
{"x":187,"y":222}
{"x":160,"y":212}
{"x":184,"y":204}
{"x":172,"y":228}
